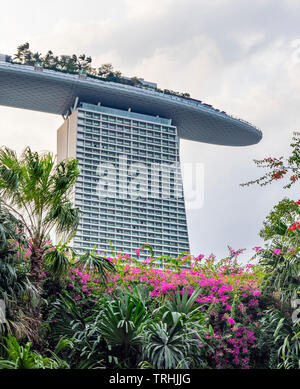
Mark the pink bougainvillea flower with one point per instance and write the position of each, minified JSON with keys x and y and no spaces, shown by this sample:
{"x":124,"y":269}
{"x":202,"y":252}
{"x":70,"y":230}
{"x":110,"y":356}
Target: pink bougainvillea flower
{"x":230,"y":320}
{"x":277,"y":251}
{"x":279,"y":174}
{"x":257,"y":249}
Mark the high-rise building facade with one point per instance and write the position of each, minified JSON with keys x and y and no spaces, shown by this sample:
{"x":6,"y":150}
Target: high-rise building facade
{"x":129,"y":190}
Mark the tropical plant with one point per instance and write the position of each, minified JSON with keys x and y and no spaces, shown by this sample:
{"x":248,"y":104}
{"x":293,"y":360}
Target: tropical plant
{"x":175,"y":341}
{"x":17,"y":292}
{"x":281,"y":217}
{"x":185,"y":303}
{"x":57,"y":261}
{"x":121,"y":322}
{"x":92,"y":261}
{"x":282,"y":265}
{"x":17,"y":356}
{"x":22,"y":52}
{"x":65,"y":317}
{"x":279,"y":340}
{"x":38,"y":192}
{"x":75,"y":326}
{"x":60,"y":259}
{"x":281,"y":258}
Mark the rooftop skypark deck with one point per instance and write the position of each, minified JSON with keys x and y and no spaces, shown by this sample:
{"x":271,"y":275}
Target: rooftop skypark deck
{"x":50,"y":91}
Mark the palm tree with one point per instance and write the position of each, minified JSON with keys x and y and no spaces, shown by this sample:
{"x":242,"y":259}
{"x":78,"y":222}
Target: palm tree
{"x":63,"y":61}
{"x":21,"y":52}
{"x":84,"y":63}
{"x":37,"y":192}
{"x":37,"y":57}
{"x":105,"y":70}
{"x":49,"y":59}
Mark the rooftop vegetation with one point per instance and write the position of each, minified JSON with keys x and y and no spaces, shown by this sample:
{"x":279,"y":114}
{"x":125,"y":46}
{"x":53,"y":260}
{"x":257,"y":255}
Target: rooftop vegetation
{"x":82,"y":66}
{"x":76,"y":64}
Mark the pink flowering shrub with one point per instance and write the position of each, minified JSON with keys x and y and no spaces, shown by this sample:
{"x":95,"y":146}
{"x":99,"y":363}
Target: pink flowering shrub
{"x":24,"y":249}
{"x":232,"y":347}
{"x":83,"y":284}
{"x":229,"y":296}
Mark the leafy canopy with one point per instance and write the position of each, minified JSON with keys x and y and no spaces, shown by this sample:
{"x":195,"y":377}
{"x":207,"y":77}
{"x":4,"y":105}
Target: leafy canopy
{"x":38,"y":191}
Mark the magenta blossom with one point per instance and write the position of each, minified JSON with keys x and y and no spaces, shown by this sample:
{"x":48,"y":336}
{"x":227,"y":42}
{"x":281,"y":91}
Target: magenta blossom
{"x":257,"y":249}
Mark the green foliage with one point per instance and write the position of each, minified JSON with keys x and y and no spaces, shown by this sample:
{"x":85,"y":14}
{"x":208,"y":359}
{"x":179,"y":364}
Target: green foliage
{"x":176,"y":263}
{"x":22,"y":357}
{"x":282,"y":216}
{"x":81,"y":64}
{"x":147,"y":246}
{"x":92,"y":261}
{"x":37,"y":191}
{"x":57,"y":263}
{"x":279,"y":340}
{"x":75,"y":326}
{"x":174,"y":342}
{"x":175,"y":338}
{"x":18,"y":293}
{"x":121,"y":322}
{"x":282,"y":271}
{"x":185,"y":304}
{"x":281,"y":258}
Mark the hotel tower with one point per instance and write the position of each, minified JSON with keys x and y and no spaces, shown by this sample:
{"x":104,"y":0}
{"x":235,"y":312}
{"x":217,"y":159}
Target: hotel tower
{"x":126,"y":139}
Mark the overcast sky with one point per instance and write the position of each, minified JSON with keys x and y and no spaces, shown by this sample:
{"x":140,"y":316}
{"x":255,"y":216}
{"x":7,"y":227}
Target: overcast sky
{"x":241,"y":56}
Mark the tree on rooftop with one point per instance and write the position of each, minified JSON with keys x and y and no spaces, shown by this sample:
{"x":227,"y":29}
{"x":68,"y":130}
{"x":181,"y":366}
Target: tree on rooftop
{"x":50,"y":61}
{"x":105,"y":70}
{"x":84,"y":62}
{"x":21,"y":51}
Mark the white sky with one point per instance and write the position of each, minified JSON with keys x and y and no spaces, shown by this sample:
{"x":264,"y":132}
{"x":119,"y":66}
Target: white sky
{"x":241,"y":56}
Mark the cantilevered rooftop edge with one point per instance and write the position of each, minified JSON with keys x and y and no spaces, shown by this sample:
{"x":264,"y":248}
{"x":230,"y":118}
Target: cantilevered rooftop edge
{"x":55,"y":92}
